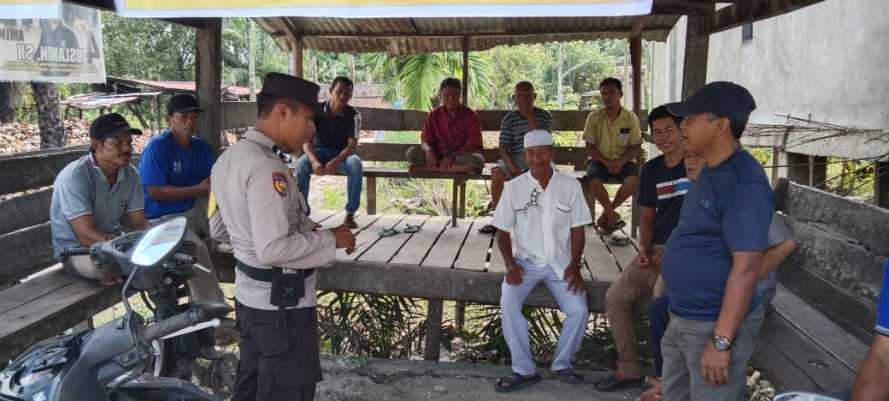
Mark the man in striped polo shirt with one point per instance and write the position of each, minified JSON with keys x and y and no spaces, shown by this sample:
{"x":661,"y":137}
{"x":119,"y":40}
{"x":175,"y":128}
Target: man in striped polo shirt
{"x":513,"y":127}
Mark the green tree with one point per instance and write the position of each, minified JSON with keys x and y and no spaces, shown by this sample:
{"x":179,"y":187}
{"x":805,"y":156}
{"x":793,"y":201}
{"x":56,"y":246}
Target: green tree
{"x":147,"y":48}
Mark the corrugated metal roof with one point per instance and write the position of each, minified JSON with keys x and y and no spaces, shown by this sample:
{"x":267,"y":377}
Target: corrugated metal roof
{"x":402,"y":36}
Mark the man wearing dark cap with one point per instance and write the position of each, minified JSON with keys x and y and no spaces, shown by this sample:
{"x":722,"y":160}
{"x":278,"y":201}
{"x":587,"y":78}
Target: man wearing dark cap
{"x":93,"y":194}
{"x":276,"y":246}
{"x":712,"y":259}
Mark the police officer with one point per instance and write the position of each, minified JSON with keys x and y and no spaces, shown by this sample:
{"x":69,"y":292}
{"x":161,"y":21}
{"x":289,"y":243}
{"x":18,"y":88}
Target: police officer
{"x":276,"y":246}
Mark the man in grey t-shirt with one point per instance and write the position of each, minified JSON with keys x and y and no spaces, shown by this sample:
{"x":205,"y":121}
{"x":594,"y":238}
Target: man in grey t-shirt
{"x":91,"y":196}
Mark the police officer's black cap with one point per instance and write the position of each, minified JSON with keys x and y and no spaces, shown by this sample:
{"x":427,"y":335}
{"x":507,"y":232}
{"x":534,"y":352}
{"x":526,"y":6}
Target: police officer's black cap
{"x":111,"y":125}
{"x":722,"y":98}
{"x":292,"y":88}
{"x":183,"y":103}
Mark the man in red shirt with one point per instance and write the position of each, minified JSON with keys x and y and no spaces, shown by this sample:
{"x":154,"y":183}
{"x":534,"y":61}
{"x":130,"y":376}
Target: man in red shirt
{"x":451,"y":137}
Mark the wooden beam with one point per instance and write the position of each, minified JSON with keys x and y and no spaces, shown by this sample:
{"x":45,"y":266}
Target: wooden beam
{"x":296,"y":57}
{"x":243,"y":114}
{"x":858,"y":221}
{"x":697,"y":45}
{"x":394,"y":152}
{"x":25,"y":210}
{"x":35,"y":169}
{"x":432,"y":351}
{"x":25,"y":252}
{"x":748,"y":11}
{"x":208,"y":75}
{"x":797,"y":166}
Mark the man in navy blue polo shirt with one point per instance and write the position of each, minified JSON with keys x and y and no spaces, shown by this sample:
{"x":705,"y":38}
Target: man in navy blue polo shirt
{"x":337,"y":129}
{"x":712,"y":258}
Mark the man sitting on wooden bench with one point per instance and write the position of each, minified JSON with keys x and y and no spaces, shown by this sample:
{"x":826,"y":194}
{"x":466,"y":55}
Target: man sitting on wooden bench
{"x":513,"y":128}
{"x":540,"y":221}
{"x":613,"y":140}
{"x":91,"y":196}
{"x":451,"y":137}
{"x":337,"y":129}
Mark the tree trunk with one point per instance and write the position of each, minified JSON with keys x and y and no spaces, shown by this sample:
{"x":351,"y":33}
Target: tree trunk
{"x":52,"y":127}
{"x":7,"y":111}
{"x":251,"y":58}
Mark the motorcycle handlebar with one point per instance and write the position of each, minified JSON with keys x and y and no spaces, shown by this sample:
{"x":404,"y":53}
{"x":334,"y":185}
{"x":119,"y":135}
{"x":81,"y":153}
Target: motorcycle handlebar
{"x":173,"y":324}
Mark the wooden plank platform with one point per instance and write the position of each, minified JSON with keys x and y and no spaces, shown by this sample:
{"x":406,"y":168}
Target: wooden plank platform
{"x":444,"y":262}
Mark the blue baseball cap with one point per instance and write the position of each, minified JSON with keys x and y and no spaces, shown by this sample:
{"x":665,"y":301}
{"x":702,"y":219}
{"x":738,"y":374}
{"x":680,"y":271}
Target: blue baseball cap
{"x":722,"y":98}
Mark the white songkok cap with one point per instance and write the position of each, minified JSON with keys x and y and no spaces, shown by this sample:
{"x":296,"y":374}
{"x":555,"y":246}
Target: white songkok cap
{"x":538,"y":137}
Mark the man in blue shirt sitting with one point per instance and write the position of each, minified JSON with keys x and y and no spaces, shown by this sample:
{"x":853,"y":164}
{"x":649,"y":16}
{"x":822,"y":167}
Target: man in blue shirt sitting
{"x":175,"y":171}
{"x":712,"y":258}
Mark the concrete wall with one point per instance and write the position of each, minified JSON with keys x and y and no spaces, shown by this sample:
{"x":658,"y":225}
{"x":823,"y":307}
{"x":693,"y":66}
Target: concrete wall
{"x":828,"y":62}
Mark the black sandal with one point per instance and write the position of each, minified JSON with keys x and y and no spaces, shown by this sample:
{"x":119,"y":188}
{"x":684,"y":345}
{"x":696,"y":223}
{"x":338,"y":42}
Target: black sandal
{"x":487,"y":229}
{"x":612,"y":228}
{"x":516,"y":382}
{"x":613,"y":383}
{"x":569,"y":376}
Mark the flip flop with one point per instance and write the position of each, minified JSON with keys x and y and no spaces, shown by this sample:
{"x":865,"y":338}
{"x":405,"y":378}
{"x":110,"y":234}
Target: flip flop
{"x":614,"y":383}
{"x":569,"y":376}
{"x":387,"y":232}
{"x":411,"y":229}
{"x":619,"y":241}
{"x":612,"y":228}
{"x":487,"y":229}
{"x":516,"y":382}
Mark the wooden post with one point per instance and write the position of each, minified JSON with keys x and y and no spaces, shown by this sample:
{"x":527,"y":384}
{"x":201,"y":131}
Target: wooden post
{"x":636,"y":61}
{"x":296,"y":57}
{"x":158,"y":113}
{"x":208,"y":76}
{"x":797,"y":168}
{"x":371,"y":188}
{"x":694,"y":72}
{"x":818,"y":171}
{"x":465,"y":45}
{"x":459,"y":315}
{"x":462,"y":199}
{"x":455,"y":189}
{"x":776,"y":157}
{"x":881,"y":184}
{"x":433,"y":330}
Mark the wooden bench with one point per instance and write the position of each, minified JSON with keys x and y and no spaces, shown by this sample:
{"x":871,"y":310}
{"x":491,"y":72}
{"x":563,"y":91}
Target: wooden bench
{"x":825,"y":306}
{"x":38,"y":299}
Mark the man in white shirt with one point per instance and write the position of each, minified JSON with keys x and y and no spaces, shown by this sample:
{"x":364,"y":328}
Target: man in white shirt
{"x":540,"y":221}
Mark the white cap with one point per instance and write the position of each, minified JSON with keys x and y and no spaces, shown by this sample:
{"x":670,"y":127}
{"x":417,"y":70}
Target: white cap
{"x":538,"y":137}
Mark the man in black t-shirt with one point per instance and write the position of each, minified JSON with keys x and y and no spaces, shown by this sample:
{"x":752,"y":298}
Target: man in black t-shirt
{"x":337,"y":128}
{"x":662,"y":186}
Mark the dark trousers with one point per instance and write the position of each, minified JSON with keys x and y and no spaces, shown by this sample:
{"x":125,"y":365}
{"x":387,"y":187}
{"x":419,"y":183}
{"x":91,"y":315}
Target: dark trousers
{"x":658,"y":317}
{"x":279,"y":355}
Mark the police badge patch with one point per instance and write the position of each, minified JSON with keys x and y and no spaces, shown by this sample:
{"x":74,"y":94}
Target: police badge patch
{"x":279,"y":182}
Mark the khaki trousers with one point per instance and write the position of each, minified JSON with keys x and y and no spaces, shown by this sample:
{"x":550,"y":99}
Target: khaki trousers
{"x":634,"y":285}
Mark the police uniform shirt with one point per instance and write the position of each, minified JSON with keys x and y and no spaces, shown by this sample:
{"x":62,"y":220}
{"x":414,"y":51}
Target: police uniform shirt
{"x":266,"y":219}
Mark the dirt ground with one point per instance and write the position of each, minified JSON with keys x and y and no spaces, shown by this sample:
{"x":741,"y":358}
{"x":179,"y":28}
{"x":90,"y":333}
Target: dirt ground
{"x":358,"y":379}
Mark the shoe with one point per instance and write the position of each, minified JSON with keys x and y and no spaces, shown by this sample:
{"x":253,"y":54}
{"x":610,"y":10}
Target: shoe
{"x":349,"y":221}
{"x":487,"y":229}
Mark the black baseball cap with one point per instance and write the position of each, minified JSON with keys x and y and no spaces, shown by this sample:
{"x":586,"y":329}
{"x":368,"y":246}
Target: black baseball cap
{"x":111,"y":125}
{"x":292,"y":88}
{"x":722,"y":98}
{"x":183,"y":103}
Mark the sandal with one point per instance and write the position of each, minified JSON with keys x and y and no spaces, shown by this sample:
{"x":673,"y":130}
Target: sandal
{"x":411,"y":229}
{"x":387,"y":232}
{"x":612,"y":228}
{"x":617,"y":382}
{"x":487,"y":229}
{"x":569,"y":376}
{"x":619,"y":241}
{"x":516,"y":382}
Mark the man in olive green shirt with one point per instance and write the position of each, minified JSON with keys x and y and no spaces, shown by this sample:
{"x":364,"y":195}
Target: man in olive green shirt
{"x":613,"y":140}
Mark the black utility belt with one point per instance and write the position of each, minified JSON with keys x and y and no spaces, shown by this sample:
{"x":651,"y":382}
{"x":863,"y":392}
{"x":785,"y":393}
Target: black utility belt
{"x":287,"y":288}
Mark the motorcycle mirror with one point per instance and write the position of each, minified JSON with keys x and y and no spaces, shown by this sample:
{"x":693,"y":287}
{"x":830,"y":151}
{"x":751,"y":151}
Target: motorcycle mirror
{"x":158,"y":242}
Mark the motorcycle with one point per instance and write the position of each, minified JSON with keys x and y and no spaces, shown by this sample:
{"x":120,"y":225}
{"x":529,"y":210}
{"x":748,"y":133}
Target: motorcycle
{"x":118,"y":360}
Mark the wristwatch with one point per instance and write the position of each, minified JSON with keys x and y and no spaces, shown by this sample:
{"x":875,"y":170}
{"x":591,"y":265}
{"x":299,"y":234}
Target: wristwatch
{"x":721,"y":343}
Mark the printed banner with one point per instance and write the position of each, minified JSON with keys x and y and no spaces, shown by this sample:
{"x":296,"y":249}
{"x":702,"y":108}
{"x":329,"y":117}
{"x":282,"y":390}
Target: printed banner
{"x":61,"y":50}
{"x":30,"y":8}
{"x":380,"y":8}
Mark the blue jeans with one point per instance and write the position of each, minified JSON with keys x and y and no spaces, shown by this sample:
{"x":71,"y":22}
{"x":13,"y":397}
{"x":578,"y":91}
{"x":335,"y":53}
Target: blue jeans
{"x":658,"y":317}
{"x":351,"y":168}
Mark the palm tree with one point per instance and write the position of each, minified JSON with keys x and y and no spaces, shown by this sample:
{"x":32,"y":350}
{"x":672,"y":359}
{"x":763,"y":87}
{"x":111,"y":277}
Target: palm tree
{"x":415,"y":78}
{"x":49,"y":120}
